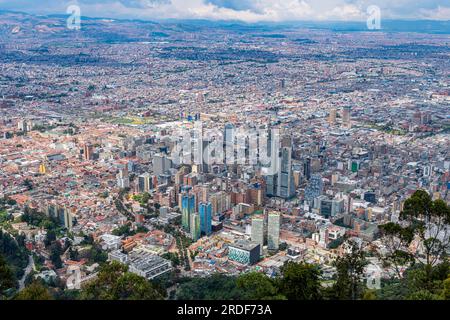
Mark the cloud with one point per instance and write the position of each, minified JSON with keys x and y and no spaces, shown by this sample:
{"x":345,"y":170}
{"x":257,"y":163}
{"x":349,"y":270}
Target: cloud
{"x":440,"y":13}
{"x":244,"y":10}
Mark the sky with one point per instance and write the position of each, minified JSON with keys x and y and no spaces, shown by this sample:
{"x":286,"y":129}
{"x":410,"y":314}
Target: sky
{"x":242,"y":10}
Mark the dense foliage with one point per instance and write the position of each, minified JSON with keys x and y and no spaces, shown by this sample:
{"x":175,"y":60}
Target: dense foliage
{"x":13,"y":252}
{"x":114,"y":282}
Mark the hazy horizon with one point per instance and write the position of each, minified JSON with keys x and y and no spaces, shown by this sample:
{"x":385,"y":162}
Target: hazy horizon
{"x":249,"y":11}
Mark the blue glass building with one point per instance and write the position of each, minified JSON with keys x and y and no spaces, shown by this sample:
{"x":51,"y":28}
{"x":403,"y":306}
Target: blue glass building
{"x":205,"y":210}
{"x":187,"y":208}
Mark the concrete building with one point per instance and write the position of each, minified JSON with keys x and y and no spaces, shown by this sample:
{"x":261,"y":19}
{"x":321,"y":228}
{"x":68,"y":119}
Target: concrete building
{"x":205,"y":210}
{"x":244,"y":252}
{"x":148,"y":265}
{"x":273,"y":231}
{"x":257,"y":234}
{"x":194,"y":226}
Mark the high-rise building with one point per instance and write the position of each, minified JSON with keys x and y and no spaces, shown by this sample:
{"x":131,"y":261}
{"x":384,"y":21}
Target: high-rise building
{"x":22,"y":125}
{"x":346,"y":121}
{"x":161,"y":164}
{"x":332,"y":118}
{"x":220,"y":201}
{"x":123,"y":179}
{"x":307,"y":168}
{"x":330,"y":207}
{"x":370,"y":196}
{"x":273,"y":231}
{"x":297,"y":178}
{"x":285,"y":186}
{"x":271,"y":185}
{"x":62,"y":214}
{"x":257,"y":233}
{"x":272,"y":168}
{"x":187,"y":209}
{"x":205,"y":210}
{"x":88,"y":151}
{"x":194,"y":226}
{"x":145,"y":183}
{"x":131,"y":166}
{"x":229,"y":142}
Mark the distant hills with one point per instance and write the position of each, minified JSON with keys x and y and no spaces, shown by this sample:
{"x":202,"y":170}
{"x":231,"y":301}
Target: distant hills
{"x":161,"y":26}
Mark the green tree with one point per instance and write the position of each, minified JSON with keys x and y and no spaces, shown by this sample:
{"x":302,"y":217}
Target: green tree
{"x":15,"y":255}
{"x":446,"y":289}
{"x":7,"y":278}
{"x":114,"y":282}
{"x":350,"y":269}
{"x":96,"y":254}
{"x":73,"y":254}
{"x":426,"y":221}
{"x":173,"y":257}
{"x":35,"y":291}
{"x":423,"y":295}
{"x":49,"y":238}
{"x":370,"y":295}
{"x":55,"y":254}
{"x":396,"y":240}
{"x":124,"y":230}
{"x":28,"y":184}
{"x":300,"y":281}
{"x":258,"y":286}
{"x":215,"y":287}
{"x":420,"y":279}
{"x":429,"y":220}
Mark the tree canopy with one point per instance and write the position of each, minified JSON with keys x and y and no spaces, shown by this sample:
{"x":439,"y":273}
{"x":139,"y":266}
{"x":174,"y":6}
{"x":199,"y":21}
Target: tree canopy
{"x":35,"y":291}
{"x":114,"y":282}
{"x":300,"y":281}
{"x":7,"y":278}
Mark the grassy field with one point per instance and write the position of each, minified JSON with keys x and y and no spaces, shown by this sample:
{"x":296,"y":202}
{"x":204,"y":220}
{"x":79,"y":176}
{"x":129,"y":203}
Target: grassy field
{"x":131,"y":120}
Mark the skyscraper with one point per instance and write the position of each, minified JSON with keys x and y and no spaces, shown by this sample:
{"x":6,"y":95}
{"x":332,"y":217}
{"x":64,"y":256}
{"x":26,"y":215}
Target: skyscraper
{"x":228,"y":142}
{"x":272,"y":167}
{"x":285,"y":187}
{"x":88,"y":151}
{"x":273,"y":231}
{"x":22,"y":125}
{"x":161,"y":164}
{"x":145,"y":183}
{"x":332,"y":118}
{"x":187,"y":209}
{"x":346,"y":117}
{"x":307,"y":168}
{"x":271,"y":185}
{"x":258,"y":231}
{"x":62,"y":214}
{"x":205,"y":210}
{"x":123,"y":179}
{"x":195,"y":226}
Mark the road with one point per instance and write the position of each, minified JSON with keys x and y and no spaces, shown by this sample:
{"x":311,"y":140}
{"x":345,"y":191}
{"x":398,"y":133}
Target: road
{"x":31,"y":266}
